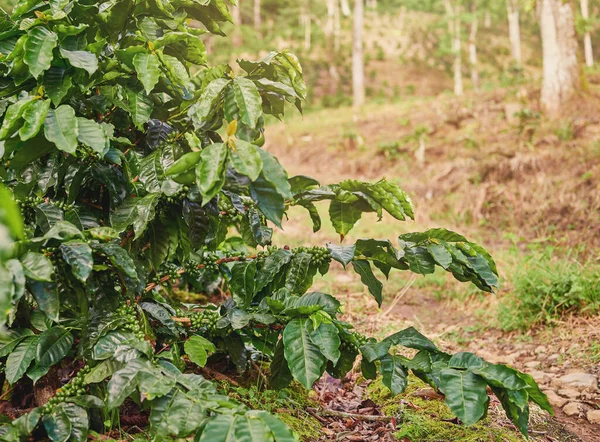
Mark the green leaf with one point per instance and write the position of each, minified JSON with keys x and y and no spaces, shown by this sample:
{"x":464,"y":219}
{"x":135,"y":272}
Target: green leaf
{"x":272,"y":266}
{"x":146,"y":212}
{"x":61,"y":128}
{"x":78,"y":418}
{"x":92,"y":135}
{"x":465,"y":360}
{"x":58,"y":83}
{"x":154,"y":385}
{"x":342,"y":254}
{"x":176,"y":416}
{"x":281,"y":376}
{"x":247,"y":159}
{"x":535,"y":394}
{"x":203,"y":109}
{"x":18,"y":361}
{"x":363,"y":268}
{"x":140,"y":106}
{"x":305,"y":359}
{"x":81,"y":59}
{"x":220,"y":429}
{"x":34,"y":116}
{"x":79,"y":257}
{"x":248,"y":101}
{"x":124,"y":382}
{"x":57,"y":424}
{"x":395,"y":376}
{"x":118,"y":257}
{"x":242,"y":282}
{"x":440,"y":254}
{"x":53,"y":346}
{"x":37,"y":267}
{"x":13,"y":116}
{"x":210,"y":172}
{"x":274,"y":173}
{"x":280,"y":431}
{"x":185,"y":163}
{"x":147,"y":67}
{"x":327,"y":338}
{"x":9,"y":339}
{"x":46,"y":296}
{"x":269,"y":200}
{"x":38,"y":50}
{"x":466,"y":394}
{"x":343,"y":217}
{"x":502,"y":376}
{"x":28,"y":422}
{"x":198,"y":349}
{"x":409,"y":338}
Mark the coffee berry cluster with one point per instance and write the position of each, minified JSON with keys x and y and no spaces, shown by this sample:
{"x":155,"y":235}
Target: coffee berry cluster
{"x":75,"y":387}
{"x":320,"y":255}
{"x":131,"y":321}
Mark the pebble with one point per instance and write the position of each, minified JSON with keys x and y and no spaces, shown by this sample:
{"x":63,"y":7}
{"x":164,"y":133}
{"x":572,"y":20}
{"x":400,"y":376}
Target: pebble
{"x":554,"y":399}
{"x":572,"y":409}
{"x":553,"y":357}
{"x":570,"y":393}
{"x":594,"y":417}
{"x":577,"y":380}
{"x":540,"y":349}
{"x":540,"y":377}
{"x":532,"y":364}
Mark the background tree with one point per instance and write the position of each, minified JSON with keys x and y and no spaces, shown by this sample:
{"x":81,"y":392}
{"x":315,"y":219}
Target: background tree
{"x":514,"y":30}
{"x":587,"y":35}
{"x":358,"y":64}
{"x":561,"y":78}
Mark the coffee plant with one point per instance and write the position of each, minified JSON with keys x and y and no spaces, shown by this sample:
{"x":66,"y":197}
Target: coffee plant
{"x":140,"y":181}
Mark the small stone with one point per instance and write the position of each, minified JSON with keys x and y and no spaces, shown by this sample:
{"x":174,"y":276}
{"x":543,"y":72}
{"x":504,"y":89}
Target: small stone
{"x":594,"y":417}
{"x":532,"y":364}
{"x":554,"y":399}
{"x":540,"y":349}
{"x":580,"y":381}
{"x":572,"y":409}
{"x":553,"y":357}
{"x":540,"y":377}
{"x":570,"y":393}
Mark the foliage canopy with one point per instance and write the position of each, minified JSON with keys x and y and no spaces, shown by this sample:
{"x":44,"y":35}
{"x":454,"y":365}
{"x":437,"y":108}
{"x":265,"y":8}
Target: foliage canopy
{"x":134,"y":164}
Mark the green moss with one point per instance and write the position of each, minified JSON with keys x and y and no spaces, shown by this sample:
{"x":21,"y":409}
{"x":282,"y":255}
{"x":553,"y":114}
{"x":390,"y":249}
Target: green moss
{"x":430,"y":419}
{"x":307,"y":428}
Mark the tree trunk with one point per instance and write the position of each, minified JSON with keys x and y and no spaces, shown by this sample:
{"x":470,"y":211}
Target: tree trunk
{"x":346,"y":11}
{"x":358,"y":68}
{"x":236,"y":13}
{"x":587,"y":37}
{"x":330,"y":46}
{"x":337,"y":27}
{"x":487,"y":21}
{"x":473,"y":48}
{"x":559,"y":41}
{"x":257,"y":16}
{"x":453,"y":13}
{"x":514,"y":30}
{"x":307,"y":31}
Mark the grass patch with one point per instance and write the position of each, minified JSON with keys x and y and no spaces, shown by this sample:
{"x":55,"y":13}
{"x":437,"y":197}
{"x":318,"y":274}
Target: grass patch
{"x":430,"y":420}
{"x":546,"y":290}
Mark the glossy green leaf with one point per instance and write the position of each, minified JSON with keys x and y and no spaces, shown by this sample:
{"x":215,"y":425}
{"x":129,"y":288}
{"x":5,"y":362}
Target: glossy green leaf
{"x":78,"y":255}
{"x":198,"y":349}
{"x":274,"y":173}
{"x":269,"y":200}
{"x":92,"y":135}
{"x":176,"y":415}
{"x":18,"y":361}
{"x":147,"y":67}
{"x":46,"y":296}
{"x":53,"y":346}
{"x":272,"y":266}
{"x":202,"y":110}
{"x":210,"y":172}
{"x":465,"y":393}
{"x":326,"y":337}
{"x":13,"y":115}
{"x":305,"y":359}
{"x":34,"y":116}
{"x":81,"y":59}
{"x":38,"y":50}
{"x":247,"y":159}
{"x":243,"y":283}
{"x":140,"y":106}
{"x":395,"y":376}
{"x":61,"y":128}
{"x":363,"y":268}
{"x":248,"y":101}
{"x":280,"y":376}
{"x":78,"y":418}
{"x":37,"y":267}
{"x":57,"y":424}
{"x":343,"y":217}
{"x":124,"y":382}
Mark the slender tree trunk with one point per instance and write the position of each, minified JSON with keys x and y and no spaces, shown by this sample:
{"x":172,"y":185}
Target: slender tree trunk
{"x":358,"y":68}
{"x":514,"y":30}
{"x":561,"y":68}
{"x":487,"y":20}
{"x":337,"y":27}
{"x":257,"y":16}
{"x":587,"y":37}
{"x":330,"y":46}
{"x":307,"y":21}
{"x":236,"y":13}
{"x":473,"y":48}
{"x":346,"y":11}
{"x":453,"y":13}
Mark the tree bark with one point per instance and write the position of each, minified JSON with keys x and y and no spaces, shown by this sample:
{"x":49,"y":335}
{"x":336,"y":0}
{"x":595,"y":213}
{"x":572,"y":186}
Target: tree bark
{"x":473,"y":47}
{"x":561,"y":68}
{"x":236,"y":13}
{"x":307,"y":21}
{"x":346,"y":11}
{"x":587,"y":37}
{"x":453,"y":13}
{"x":514,"y":31}
{"x":358,"y":68}
{"x":257,"y":16}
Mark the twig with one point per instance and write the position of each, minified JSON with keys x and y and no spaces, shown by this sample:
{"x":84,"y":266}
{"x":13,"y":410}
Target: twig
{"x":165,"y":278}
{"x":218,"y":376}
{"x":399,"y":296}
{"x":358,"y":417}
{"x":262,"y":375}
